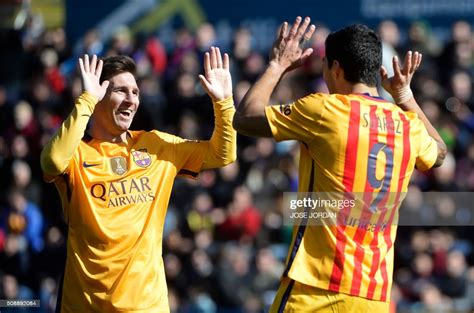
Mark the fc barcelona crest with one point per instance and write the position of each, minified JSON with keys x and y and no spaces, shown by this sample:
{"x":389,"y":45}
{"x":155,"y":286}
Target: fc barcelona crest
{"x":119,"y":165}
{"x":141,"y":158}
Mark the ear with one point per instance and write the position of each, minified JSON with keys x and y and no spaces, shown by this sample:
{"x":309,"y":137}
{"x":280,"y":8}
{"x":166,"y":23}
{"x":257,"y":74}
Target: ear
{"x":337,"y":69}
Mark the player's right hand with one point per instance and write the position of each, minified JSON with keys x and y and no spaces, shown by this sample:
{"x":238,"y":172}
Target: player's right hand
{"x":289,"y":50}
{"x":90,"y":74}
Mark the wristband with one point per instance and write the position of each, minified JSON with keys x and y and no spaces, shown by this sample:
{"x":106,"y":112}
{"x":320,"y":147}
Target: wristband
{"x":403,"y":95}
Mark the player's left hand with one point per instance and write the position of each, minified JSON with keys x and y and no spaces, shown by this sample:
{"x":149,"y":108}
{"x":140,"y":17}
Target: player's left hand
{"x":216,"y":79}
{"x":402,"y":76}
{"x":288,"y":50}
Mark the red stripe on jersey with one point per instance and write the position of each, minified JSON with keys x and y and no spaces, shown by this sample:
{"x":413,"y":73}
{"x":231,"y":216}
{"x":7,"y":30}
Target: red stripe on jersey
{"x":366,"y":213}
{"x":383,"y":213}
{"x":350,"y":163}
{"x":401,"y":180}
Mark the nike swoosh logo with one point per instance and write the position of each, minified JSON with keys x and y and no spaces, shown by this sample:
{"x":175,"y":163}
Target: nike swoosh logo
{"x":85,"y":164}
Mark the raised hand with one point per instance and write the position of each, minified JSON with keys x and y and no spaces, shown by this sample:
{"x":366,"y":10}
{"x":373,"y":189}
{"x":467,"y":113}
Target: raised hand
{"x":288,"y":49}
{"x":399,"y":84}
{"x":90,"y":74}
{"x":216,"y":79}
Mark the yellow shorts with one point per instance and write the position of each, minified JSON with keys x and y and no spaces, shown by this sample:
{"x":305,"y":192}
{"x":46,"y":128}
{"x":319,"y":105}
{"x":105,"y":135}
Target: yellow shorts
{"x":293,"y":296}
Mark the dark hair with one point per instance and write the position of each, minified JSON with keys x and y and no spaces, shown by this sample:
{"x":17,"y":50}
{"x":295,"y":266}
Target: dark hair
{"x":117,"y":64}
{"x":358,"y":50}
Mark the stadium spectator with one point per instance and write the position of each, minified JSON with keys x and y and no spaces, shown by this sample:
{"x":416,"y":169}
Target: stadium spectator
{"x":243,"y":220}
{"x":24,"y":217}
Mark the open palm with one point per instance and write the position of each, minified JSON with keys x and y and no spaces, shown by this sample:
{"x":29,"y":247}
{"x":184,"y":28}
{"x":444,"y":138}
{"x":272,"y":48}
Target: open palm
{"x":90,"y":75}
{"x":402,"y":75}
{"x":216,"y":79}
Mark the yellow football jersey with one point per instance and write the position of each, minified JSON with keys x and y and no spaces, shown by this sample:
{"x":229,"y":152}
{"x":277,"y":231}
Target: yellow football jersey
{"x":115,"y":197}
{"x":349,"y":144}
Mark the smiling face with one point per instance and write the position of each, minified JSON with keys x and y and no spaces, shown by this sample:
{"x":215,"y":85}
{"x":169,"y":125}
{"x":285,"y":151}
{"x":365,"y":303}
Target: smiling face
{"x":114,"y":114}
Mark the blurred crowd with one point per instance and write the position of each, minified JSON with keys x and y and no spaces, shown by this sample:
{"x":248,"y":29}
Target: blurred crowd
{"x":225,"y":239}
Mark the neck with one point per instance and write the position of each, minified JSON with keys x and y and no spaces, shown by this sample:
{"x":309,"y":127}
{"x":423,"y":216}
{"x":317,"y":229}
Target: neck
{"x":349,"y":88}
{"x":102,"y":134}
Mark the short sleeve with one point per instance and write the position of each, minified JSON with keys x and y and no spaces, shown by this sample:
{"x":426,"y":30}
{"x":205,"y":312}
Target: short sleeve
{"x":299,"y":120}
{"x":428,"y":150}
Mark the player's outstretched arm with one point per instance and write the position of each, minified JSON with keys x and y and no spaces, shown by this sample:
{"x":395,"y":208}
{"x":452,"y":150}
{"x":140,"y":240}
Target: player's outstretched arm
{"x":286,"y":54}
{"x":217,"y":82}
{"x":58,"y":152}
{"x":399,"y":88}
